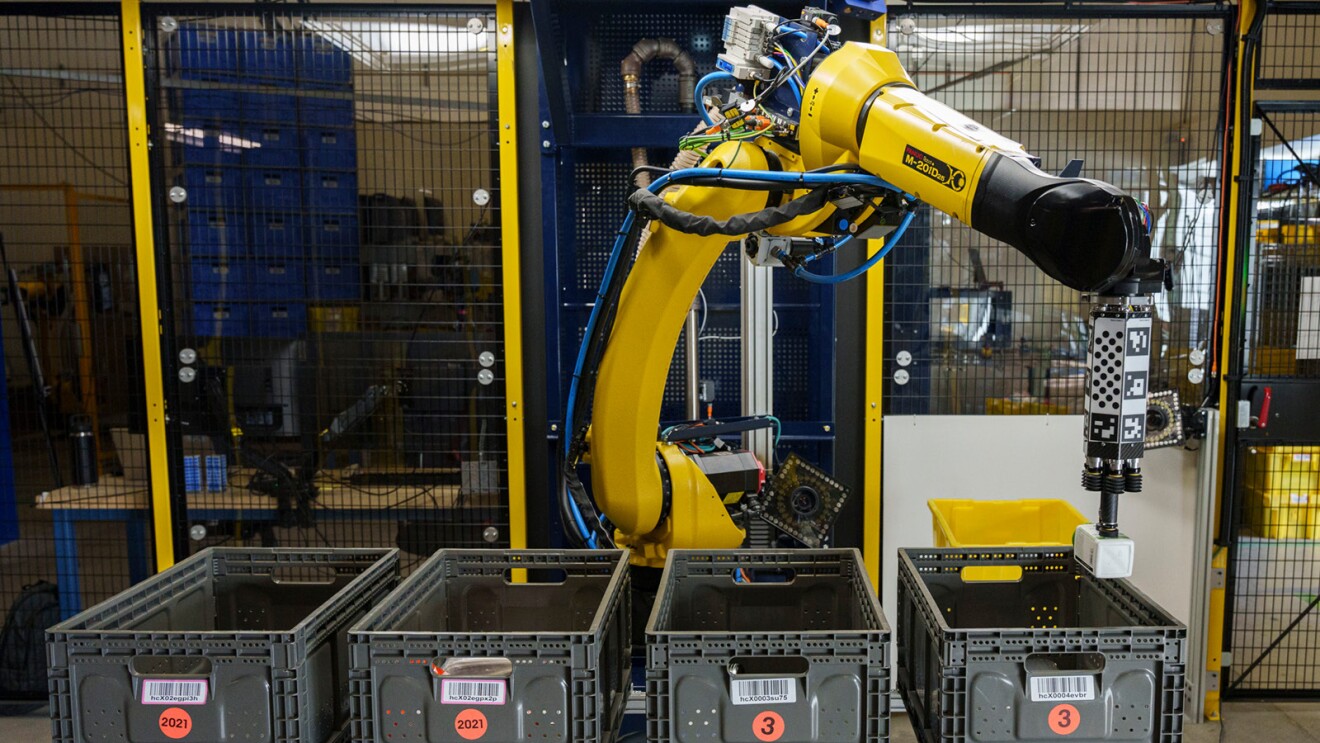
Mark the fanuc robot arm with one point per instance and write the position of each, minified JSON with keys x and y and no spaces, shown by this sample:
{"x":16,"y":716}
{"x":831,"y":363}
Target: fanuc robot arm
{"x":820,"y":143}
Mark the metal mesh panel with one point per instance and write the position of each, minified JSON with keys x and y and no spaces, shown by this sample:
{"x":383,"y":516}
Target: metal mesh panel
{"x":612,"y":38}
{"x":1283,"y":295}
{"x":1138,"y":99}
{"x":1288,"y":42}
{"x":1275,"y":565}
{"x":335,"y":238}
{"x":595,"y":190}
{"x":66,"y":223}
{"x":1276,"y":568}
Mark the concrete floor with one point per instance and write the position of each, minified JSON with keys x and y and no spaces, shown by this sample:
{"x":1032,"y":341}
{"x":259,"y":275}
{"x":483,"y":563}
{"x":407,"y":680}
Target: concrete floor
{"x":1246,"y":721}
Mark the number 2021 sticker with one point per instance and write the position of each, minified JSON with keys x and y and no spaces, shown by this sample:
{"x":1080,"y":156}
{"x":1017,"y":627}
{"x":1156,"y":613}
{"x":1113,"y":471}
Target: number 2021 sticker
{"x":1064,"y":719}
{"x":175,"y":723}
{"x":470,"y":724}
{"x":768,"y":726}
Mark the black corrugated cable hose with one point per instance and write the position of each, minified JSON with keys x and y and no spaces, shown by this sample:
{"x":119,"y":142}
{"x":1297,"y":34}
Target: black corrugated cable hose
{"x":630,"y":68}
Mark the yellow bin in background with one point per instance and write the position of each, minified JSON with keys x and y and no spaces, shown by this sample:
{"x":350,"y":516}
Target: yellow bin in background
{"x":1004,"y":523}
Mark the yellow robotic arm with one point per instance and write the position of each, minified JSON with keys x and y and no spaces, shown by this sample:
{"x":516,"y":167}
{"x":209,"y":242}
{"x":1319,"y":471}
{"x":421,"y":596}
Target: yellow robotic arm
{"x":882,"y":145}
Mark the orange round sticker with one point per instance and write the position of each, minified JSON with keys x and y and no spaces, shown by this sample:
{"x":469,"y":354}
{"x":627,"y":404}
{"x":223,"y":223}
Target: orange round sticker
{"x":470,"y":724}
{"x":175,"y":722}
{"x":1064,"y":719}
{"x":768,"y":726}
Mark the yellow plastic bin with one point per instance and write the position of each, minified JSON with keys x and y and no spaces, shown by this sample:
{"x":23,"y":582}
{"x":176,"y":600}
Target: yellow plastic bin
{"x":1283,"y":468}
{"x":1283,"y":514}
{"x":1004,"y":523}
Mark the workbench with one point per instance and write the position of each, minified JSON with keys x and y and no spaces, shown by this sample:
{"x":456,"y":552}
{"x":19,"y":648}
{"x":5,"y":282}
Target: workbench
{"x":115,"y":499}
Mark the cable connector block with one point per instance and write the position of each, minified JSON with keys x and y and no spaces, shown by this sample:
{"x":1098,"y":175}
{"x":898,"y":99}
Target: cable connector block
{"x":1105,"y":557}
{"x":746,"y":35}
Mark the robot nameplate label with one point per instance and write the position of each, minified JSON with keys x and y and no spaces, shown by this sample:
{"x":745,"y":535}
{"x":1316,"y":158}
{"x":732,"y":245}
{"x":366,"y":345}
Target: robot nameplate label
{"x":934,"y":168}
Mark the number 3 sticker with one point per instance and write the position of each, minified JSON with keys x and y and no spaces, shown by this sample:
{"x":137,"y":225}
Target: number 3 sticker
{"x":768,"y":726}
{"x":1064,"y":719}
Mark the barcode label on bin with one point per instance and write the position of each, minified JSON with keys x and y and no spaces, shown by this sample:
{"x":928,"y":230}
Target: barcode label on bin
{"x":161,"y":691}
{"x":764,"y":691}
{"x":453,"y":691}
{"x":1062,"y":688}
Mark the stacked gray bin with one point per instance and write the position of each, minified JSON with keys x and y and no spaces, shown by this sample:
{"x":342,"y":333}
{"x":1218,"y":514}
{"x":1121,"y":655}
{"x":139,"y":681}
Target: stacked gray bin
{"x":1055,"y":654}
{"x":756,"y":646}
{"x":242,"y":645}
{"x":497,"y":645}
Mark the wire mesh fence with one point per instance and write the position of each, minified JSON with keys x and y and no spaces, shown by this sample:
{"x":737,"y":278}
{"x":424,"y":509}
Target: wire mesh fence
{"x":1287,"y":51}
{"x":69,"y":323}
{"x":1276,"y":552}
{"x":1276,"y":568}
{"x":976,"y":327}
{"x":333,"y":229}
{"x":1283,"y":294}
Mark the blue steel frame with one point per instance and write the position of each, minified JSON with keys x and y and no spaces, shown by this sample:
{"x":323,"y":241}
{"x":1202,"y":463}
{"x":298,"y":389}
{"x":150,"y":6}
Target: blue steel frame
{"x":574,"y":138}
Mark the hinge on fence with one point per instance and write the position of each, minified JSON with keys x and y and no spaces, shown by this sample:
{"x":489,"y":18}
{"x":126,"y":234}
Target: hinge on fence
{"x":1211,"y":681}
{"x":1218,"y":579}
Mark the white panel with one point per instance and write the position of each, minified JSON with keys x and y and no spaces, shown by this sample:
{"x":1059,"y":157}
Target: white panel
{"x":1308,"y":319}
{"x":1015,"y":457}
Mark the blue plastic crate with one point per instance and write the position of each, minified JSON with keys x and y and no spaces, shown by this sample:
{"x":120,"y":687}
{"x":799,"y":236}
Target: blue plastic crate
{"x":277,"y":280}
{"x":335,"y":282}
{"x":213,"y":234}
{"x":281,"y":320}
{"x":269,"y":58}
{"x":192,"y":473}
{"x":272,"y":145}
{"x":334,"y":236}
{"x":277,"y":235}
{"x":208,"y":54}
{"x":274,"y":188}
{"x":217,"y":472}
{"x":207,"y":103}
{"x":219,"y":280}
{"x":334,"y":148}
{"x":209,"y":141}
{"x":317,"y":111}
{"x":218,"y":187}
{"x":269,"y":107}
{"x":335,"y":190}
{"x":322,"y":64}
{"x":220,"y":319}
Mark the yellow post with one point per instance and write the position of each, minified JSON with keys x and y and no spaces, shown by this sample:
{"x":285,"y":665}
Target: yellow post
{"x":135,"y":95}
{"x":512,"y":266}
{"x":82,"y":315}
{"x":1245,"y":83}
{"x":873,"y":398}
{"x":1214,"y":660}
